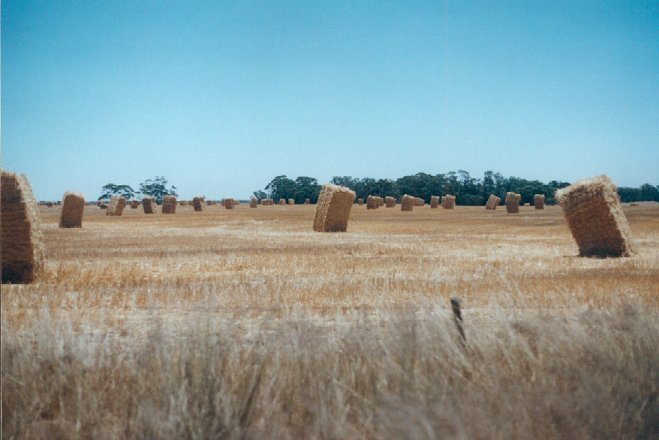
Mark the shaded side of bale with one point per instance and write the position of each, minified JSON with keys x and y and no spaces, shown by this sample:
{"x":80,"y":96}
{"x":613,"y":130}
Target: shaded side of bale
{"x":380,"y":201}
{"x":390,"y":202}
{"x":539,"y":201}
{"x":434,"y":202}
{"x":372,"y":202}
{"x":116,"y":206}
{"x":253,"y":203}
{"x":407,"y":203}
{"x":148,"y":203}
{"x":492,"y":202}
{"x":169,"y":205}
{"x":594,"y":214}
{"x":333,"y":208}
{"x":73,"y":205}
{"x":360,"y":201}
{"x":198,"y":203}
{"x":512,"y":202}
{"x":22,"y":240}
{"x":448,"y":201}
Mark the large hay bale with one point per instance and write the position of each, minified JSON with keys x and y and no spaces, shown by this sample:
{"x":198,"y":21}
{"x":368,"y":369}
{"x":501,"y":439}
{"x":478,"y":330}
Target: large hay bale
{"x":116,"y":206}
{"x":198,"y":203}
{"x":372,"y":202}
{"x":73,"y":206}
{"x":492,"y":202}
{"x":595,"y":217}
{"x":22,"y":240}
{"x":539,"y":201}
{"x":512,"y":202}
{"x":407,"y":203}
{"x":449,"y":201}
{"x":390,"y":202}
{"x":169,"y":205}
{"x":434,"y":201}
{"x":253,"y":202}
{"x":148,"y":203}
{"x":333,"y":208}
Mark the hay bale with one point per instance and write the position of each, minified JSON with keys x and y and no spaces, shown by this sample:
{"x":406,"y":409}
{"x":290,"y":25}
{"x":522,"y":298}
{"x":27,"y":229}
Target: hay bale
{"x":22,"y":240}
{"x":49,"y":204}
{"x":419,"y":201}
{"x":360,"y":201}
{"x":390,"y":202}
{"x":372,"y":202}
{"x":492,"y":202}
{"x":594,"y":214}
{"x":198,"y":203}
{"x":406,"y":203}
{"x":307,"y":201}
{"x":282,"y":202}
{"x":434,"y":202}
{"x":380,"y":201}
{"x":333,"y":208}
{"x":253,"y":202}
{"x":148,"y":203}
{"x":103,"y":206}
{"x":539,"y":201}
{"x":229,"y":203}
{"x":291,"y":201}
{"x":72,"y":207}
{"x":134,"y":204}
{"x":169,"y":205}
{"x":449,"y":201}
{"x":116,"y":206}
{"x":512,"y":202}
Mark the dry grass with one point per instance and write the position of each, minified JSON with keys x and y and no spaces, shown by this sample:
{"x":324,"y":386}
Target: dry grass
{"x":221,"y":326}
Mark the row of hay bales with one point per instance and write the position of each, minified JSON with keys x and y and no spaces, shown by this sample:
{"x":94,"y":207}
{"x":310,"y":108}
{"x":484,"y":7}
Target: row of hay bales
{"x":591,"y":207}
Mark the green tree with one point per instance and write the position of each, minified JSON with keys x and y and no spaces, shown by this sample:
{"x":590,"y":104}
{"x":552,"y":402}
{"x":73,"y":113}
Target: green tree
{"x":306,"y":188}
{"x":260,"y":195}
{"x":281,"y":187}
{"x":112,"y":189}
{"x":157,"y":188}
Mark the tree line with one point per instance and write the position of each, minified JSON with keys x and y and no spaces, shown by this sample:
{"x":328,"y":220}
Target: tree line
{"x":468,"y":190}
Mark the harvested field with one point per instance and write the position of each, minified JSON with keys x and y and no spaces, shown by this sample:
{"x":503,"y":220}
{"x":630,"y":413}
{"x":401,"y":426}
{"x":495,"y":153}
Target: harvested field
{"x":278,"y":331}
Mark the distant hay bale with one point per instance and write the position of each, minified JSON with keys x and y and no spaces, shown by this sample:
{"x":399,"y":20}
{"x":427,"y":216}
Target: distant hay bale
{"x":134,"y":204}
{"x":22,"y":240}
{"x":360,"y":201}
{"x":253,"y":202}
{"x":390,"y":202}
{"x":148,"y":203}
{"x":307,"y":201}
{"x":539,"y":201}
{"x":49,"y":204}
{"x":116,"y":206}
{"x":291,"y":201}
{"x":380,"y":201}
{"x":333,"y":208}
{"x":434,"y":201}
{"x":512,"y":202}
{"x":282,"y":202}
{"x":372,"y":202}
{"x":103,"y":206}
{"x":407,"y":203}
{"x":169,"y":205}
{"x":449,"y":201}
{"x":595,"y":217}
{"x":229,"y":203}
{"x":492,"y":202}
{"x":73,"y":206}
{"x":199,"y":203}
{"x":419,"y":201}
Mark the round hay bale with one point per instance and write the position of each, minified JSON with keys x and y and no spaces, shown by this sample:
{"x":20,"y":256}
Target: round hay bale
{"x":73,"y":206}
{"x":22,"y":240}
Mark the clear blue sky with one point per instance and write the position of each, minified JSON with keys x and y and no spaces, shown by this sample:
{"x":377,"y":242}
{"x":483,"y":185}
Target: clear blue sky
{"x":220,"y":97}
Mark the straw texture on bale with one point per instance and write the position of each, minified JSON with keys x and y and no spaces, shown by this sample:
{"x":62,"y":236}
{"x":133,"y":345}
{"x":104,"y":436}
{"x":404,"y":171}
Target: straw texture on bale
{"x":198,"y":203}
{"x":449,"y":201}
{"x":380,"y":201}
{"x":539,"y":201}
{"x":333,"y":208}
{"x":434,"y":201}
{"x":390,"y":202}
{"x":169,"y":205}
{"x":372,"y":202}
{"x":407,"y":203}
{"x":253,"y":203}
{"x":360,"y":201}
{"x":72,"y":207}
{"x":492,"y":202}
{"x":595,"y":217}
{"x":512,"y":202}
{"x":148,"y":203}
{"x":116,"y":206}
{"x":22,"y":240}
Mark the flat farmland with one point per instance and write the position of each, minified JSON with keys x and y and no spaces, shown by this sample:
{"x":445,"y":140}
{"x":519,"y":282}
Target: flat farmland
{"x":246,"y":323}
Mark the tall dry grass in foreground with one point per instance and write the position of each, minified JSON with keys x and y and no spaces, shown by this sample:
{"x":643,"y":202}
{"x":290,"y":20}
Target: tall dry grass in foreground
{"x":246,"y":324}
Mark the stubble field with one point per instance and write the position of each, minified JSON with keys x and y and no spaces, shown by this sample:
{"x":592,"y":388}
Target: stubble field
{"x":247,"y":324}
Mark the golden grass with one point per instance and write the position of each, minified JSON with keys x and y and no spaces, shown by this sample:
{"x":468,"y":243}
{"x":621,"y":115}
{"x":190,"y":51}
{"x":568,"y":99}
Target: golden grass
{"x":268,"y":328}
